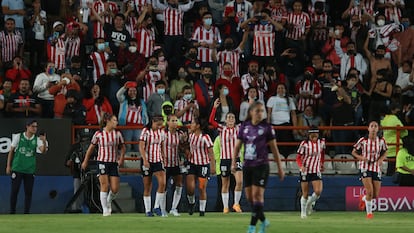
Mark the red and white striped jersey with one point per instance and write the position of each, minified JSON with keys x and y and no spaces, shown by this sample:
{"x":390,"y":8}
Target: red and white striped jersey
{"x":311,"y":155}
{"x":153,"y":142}
{"x":100,"y":6}
{"x":139,"y":4}
{"x":372,"y":150}
{"x":392,"y":13}
{"x":134,"y":115}
{"x":72,"y":47}
{"x":108,"y":143}
{"x":150,"y":79}
{"x":319,"y":34}
{"x":300,"y":23}
{"x":201,"y":34}
{"x":369,"y":7}
{"x":199,"y":145}
{"x":188,"y":115}
{"x":99,"y":64}
{"x":228,"y":137}
{"x":10,"y":43}
{"x":131,"y":25}
{"x":146,"y":41}
{"x":307,"y":88}
{"x":278,"y":13}
{"x":173,"y":22}
{"x":249,"y":81}
{"x":170,"y":146}
{"x":56,"y":53}
{"x":243,"y":11}
{"x":264,"y":40}
{"x":233,"y":57}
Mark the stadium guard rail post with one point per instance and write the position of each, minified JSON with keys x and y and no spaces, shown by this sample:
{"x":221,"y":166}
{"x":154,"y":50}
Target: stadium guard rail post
{"x":322,"y":128}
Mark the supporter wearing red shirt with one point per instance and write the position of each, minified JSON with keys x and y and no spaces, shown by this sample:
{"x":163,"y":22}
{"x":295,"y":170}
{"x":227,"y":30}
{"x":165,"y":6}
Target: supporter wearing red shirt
{"x":131,"y":61}
{"x":233,"y":84}
{"x":17,"y":73}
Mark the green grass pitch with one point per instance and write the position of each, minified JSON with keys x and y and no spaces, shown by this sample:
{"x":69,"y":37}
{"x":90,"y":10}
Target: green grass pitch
{"x":335,"y":222}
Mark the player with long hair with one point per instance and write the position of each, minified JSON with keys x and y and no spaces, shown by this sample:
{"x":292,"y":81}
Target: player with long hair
{"x":257,"y":136}
{"x":371,"y":151}
{"x":150,"y":148}
{"x":228,"y":137}
{"x":111,"y":151}
{"x":201,"y":162}
{"x":310,"y":159}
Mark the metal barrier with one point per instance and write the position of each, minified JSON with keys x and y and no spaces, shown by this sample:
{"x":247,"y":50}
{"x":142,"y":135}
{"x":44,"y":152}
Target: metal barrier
{"x":398,"y":130}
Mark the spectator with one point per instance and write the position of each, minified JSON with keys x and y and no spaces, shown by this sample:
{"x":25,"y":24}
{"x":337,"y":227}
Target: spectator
{"x":110,"y":83}
{"x":319,"y":24}
{"x":254,"y":79}
{"x":37,"y":19}
{"x":382,"y":34}
{"x":272,"y":78}
{"x":403,"y":79}
{"x":204,"y":91}
{"x":18,"y":72}
{"x":406,"y":39}
{"x":162,"y":63}
{"x":405,"y":163}
{"x":139,"y":5}
{"x":157,"y":98}
{"x":317,"y":63}
{"x":380,"y":94}
{"x":308,"y":118}
{"x":6,"y":91}
{"x":74,"y":32}
{"x":79,"y":74}
{"x":355,"y":92}
{"x":233,"y":84}
{"x":60,"y":90}
{"x":198,"y":16}
{"x":390,"y":136}
{"x":99,"y":57}
{"x":392,"y":9}
{"x":281,"y":111}
{"x":241,"y":11}
{"x":308,"y":90}
{"x":377,"y":62}
{"x":350,"y":59}
{"x":178,"y":84}
{"x":293,"y":63}
{"x":11,"y":43}
{"x":56,"y":47}
{"x":96,"y":105}
{"x":106,"y":10}
{"x":251,"y":97}
{"x":43,"y":82}
{"x":149,"y":77}
{"x":359,"y":31}
{"x":131,"y":61}
{"x":131,"y":16}
{"x":74,"y":108}
{"x":298,"y":26}
{"x":186,"y":109}
{"x":145,"y":34}
{"x":15,"y":10}
{"x":23,"y":104}
{"x":226,"y":103}
{"x":329,"y":47}
{"x":193,"y":65}
{"x":133,"y":112}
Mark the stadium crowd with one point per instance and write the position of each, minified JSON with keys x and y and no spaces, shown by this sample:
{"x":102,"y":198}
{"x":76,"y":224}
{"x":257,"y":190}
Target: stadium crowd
{"x":312,"y":63}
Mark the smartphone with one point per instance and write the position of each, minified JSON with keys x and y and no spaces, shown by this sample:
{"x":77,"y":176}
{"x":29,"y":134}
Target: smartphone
{"x":55,"y":35}
{"x":106,"y":44}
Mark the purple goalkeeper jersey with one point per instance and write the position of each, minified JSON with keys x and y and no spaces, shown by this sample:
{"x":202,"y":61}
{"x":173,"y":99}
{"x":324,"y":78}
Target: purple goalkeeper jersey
{"x":255,"y":139}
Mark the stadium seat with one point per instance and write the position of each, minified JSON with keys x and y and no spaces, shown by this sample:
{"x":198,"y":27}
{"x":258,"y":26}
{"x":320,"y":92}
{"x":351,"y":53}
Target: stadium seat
{"x":273,"y":166}
{"x":132,"y":163}
{"x":292,"y":166}
{"x":328,"y":166}
{"x":345,"y":167}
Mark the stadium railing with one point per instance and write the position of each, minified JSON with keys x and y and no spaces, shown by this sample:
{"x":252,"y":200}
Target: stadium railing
{"x":398,"y":145}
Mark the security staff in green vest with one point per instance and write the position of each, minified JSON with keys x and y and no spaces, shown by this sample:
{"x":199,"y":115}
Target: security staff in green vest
{"x":21,"y":163}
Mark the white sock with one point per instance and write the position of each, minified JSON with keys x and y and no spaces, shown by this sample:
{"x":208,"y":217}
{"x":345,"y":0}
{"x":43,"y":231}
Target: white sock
{"x":237,"y":197}
{"x":157,"y":200}
{"x":314,"y":198}
{"x":225,"y":199}
{"x":111,"y":196}
{"x":147,"y":203}
{"x":104,"y":201}
{"x":303,"y":205}
{"x":368,"y":205}
{"x":176,"y":197}
{"x":162,"y":202}
{"x":203,"y":205}
{"x":364,"y":198}
{"x":191,"y":199}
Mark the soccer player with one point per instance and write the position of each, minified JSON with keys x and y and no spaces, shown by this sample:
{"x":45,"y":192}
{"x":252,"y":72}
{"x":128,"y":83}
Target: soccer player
{"x":201,"y":162}
{"x":150,"y":148}
{"x":310,"y":158}
{"x":371,"y":152}
{"x":257,"y":136}
{"x":173,"y":140}
{"x":228,"y":136}
{"x":111,"y":144}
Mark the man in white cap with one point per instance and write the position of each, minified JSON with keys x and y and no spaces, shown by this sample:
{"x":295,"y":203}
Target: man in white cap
{"x":56,"y":48}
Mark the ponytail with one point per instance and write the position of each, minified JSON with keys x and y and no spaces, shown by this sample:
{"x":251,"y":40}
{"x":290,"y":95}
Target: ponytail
{"x":105,"y":118}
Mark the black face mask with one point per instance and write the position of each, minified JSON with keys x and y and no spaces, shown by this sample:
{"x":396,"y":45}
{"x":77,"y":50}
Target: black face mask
{"x":168,"y":111}
{"x":379,"y":56}
{"x":328,"y":71}
{"x":228,"y":46}
{"x":356,"y":24}
{"x":192,"y":55}
{"x":351,"y":52}
{"x":270,"y":72}
{"x":149,"y":26}
{"x":308,"y":76}
{"x":208,"y":76}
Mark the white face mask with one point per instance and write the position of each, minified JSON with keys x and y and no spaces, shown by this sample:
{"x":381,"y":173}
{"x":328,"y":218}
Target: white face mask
{"x":381,"y":22}
{"x":132,"y":49}
{"x":337,"y":32}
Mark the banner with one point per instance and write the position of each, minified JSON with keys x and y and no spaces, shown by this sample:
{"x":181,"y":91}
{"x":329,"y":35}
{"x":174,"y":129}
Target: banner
{"x":391,"y":198}
{"x":58,"y":134}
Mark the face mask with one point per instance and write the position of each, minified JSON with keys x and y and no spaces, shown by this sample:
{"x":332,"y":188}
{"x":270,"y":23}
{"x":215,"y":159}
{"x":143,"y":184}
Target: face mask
{"x":264,"y":22}
{"x":192,"y":55}
{"x":161,"y":91}
{"x":379,"y":56}
{"x":113,"y":70}
{"x":228,"y":46}
{"x":153,"y":68}
{"x":351,"y":52}
{"x":188,"y":97}
{"x":101,"y":46}
{"x":132,"y":49}
{"x":270,"y":72}
{"x":208,"y":22}
{"x":337,"y":32}
{"x":252,"y":98}
{"x":307,"y":117}
{"x":356,"y":24}
{"x":161,"y":58}
{"x":227,"y":73}
{"x":208,"y":76}
{"x":182,"y":74}
{"x":51,"y":71}
{"x":308,"y":76}
{"x":168,"y":112}
{"x":406,"y":25}
{"x":380,"y":22}
{"x":225,"y":91}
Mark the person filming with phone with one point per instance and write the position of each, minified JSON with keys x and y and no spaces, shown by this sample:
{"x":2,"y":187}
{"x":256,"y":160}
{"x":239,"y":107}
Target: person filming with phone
{"x":21,"y":162}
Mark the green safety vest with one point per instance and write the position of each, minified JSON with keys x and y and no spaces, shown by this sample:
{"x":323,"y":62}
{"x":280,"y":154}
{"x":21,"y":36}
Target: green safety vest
{"x":24,"y":159}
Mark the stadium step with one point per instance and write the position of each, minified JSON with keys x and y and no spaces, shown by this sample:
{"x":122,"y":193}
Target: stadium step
{"x":125,"y":198}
